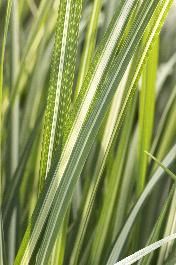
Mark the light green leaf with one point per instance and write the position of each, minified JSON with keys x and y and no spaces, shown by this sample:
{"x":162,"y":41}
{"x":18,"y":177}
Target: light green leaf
{"x":143,"y":252}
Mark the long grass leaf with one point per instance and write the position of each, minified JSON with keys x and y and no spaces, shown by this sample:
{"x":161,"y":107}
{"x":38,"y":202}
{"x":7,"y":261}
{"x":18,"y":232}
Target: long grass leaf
{"x":89,"y":46}
{"x":145,"y":251}
{"x":146,"y":113}
{"x":91,"y":111}
{"x":112,"y":187}
{"x":54,"y":210}
{"x":120,"y":241}
{"x":61,"y":80}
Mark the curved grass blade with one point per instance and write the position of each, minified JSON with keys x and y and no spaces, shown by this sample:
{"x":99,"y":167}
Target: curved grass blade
{"x":145,"y":251}
{"x":63,"y":195}
{"x":114,"y":37}
{"x":93,"y":106}
{"x":168,"y":161}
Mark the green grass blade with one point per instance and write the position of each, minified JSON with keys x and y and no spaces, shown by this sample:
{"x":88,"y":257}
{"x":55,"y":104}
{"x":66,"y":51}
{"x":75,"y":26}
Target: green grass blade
{"x":157,"y":228}
{"x":171,"y":259}
{"x":108,"y":52}
{"x":169,"y":172}
{"x":2,"y":55}
{"x":163,"y":122}
{"x":121,"y":239}
{"x":94,"y":104}
{"x":14,"y":123}
{"x":89,"y":46}
{"x":2,"y":245}
{"x":33,"y":39}
{"x":110,"y":132}
{"x":64,"y":181}
{"x":170,"y":228}
{"x":146,"y":113}
{"x":145,"y":251}
{"x":126,"y":186}
{"x":87,"y":95}
{"x":13,"y":187}
{"x":61,"y":80}
{"x":114,"y":178}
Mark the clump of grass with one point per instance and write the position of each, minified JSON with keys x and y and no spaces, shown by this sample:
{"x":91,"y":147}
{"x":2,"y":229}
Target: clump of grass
{"x":88,"y":131}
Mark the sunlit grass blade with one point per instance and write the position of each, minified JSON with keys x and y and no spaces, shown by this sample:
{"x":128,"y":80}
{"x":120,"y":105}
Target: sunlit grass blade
{"x":88,"y":93}
{"x":65,"y":180}
{"x":145,"y":251}
{"x":70,"y":152}
{"x":110,"y":133}
{"x":146,"y":113}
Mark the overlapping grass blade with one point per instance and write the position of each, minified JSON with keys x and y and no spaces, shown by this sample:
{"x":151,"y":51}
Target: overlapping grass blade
{"x":57,"y":212}
{"x":165,"y":137}
{"x":32,"y":43}
{"x":89,"y":45}
{"x":70,"y":153}
{"x":112,"y":187}
{"x":157,"y":228}
{"x":92,"y":144}
{"x":150,"y":248}
{"x":164,"y":119}
{"x":145,"y":251}
{"x":169,"y":228}
{"x":168,"y":161}
{"x":106,"y":143}
{"x":14,"y":186}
